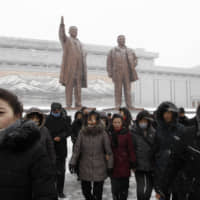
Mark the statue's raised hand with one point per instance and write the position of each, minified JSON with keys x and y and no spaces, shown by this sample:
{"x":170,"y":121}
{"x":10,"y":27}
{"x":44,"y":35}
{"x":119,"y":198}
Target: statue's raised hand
{"x":62,"y":20}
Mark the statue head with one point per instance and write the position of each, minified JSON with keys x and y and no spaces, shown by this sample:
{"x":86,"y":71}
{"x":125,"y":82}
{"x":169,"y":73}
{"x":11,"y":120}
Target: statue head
{"x":73,"y":31}
{"x":121,"y":40}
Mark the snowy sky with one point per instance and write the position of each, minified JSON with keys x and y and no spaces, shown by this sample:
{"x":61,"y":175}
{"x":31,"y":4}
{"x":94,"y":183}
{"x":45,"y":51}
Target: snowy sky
{"x":169,"y":27}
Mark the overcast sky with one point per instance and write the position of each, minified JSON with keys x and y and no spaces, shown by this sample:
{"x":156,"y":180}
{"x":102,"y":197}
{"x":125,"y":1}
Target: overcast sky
{"x":169,"y":27}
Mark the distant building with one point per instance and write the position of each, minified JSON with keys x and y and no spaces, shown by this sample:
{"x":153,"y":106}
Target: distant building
{"x":38,"y":59}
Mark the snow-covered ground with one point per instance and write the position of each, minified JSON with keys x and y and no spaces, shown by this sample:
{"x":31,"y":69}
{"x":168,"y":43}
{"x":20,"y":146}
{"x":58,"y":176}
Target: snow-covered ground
{"x":73,"y":189}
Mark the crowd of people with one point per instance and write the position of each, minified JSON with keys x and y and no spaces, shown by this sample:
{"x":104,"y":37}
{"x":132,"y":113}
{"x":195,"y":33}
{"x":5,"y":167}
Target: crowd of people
{"x":161,"y":150}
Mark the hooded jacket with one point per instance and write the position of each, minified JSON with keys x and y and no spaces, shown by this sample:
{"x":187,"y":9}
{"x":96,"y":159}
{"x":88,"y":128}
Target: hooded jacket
{"x":45,"y":139}
{"x":165,"y":135}
{"x":25,"y":170}
{"x":185,"y":161}
{"x":144,"y":143}
{"x":90,"y":151}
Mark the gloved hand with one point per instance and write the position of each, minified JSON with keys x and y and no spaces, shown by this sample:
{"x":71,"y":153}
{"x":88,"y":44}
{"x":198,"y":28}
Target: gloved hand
{"x":72,"y":168}
{"x":110,"y":172}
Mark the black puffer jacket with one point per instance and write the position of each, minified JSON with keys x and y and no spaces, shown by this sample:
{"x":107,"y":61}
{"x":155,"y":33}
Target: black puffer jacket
{"x":185,"y":158}
{"x":165,"y":134}
{"x":144,"y":144}
{"x":46,"y":139}
{"x":25,"y":170}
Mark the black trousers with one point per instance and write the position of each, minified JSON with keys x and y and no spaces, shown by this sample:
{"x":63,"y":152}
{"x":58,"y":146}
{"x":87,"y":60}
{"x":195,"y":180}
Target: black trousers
{"x":144,"y":181}
{"x":120,"y":188}
{"x":92,"y":190}
{"x":60,"y":169}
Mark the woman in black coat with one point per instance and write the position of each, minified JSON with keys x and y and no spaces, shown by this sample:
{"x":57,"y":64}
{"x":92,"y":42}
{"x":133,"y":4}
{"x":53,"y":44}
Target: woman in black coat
{"x":25,"y":170}
{"x":37,"y":116}
{"x":144,"y":143}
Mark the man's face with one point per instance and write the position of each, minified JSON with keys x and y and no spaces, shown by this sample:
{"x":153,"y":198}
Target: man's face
{"x":56,"y":111}
{"x":181,"y":114}
{"x":168,"y":116}
{"x":121,"y":40}
{"x":73,"y":31}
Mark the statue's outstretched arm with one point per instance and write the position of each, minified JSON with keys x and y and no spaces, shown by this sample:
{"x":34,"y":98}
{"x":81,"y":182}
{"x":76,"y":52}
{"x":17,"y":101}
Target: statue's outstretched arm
{"x":62,"y":35}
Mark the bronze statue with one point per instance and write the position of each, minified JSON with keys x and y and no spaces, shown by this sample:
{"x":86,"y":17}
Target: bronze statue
{"x":121,"y":63}
{"x":73,"y":73}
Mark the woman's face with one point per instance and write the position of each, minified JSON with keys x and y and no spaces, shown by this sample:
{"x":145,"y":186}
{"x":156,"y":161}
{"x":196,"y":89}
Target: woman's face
{"x":79,"y":116}
{"x":7,"y":116}
{"x":117,"y":123}
{"x":92,"y":121}
{"x":35,"y":119}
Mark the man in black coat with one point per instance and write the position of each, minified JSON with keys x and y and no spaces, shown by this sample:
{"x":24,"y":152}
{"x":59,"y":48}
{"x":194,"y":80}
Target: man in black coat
{"x":59,"y":130}
{"x":167,"y":128}
{"x":184,"y":160}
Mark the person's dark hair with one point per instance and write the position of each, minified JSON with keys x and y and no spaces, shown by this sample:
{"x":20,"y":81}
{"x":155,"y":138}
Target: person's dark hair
{"x":83,"y":108}
{"x":89,"y":115}
{"x":77,"y":113}
{"x":94,"y":113}
{"x":12,"y":100}
{"x":109,"y":115}
{"x":117,"y":116}
{"x":181,"y":110}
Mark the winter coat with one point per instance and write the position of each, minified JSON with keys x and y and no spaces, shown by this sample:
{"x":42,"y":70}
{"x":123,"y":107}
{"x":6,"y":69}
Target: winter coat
{"x":144,"y":144}
{"x":165,"y":136}
{"x":45,"y":139}
{"x":123,"y":153}
{"x":113,"y":64}
{"x":57,"y":128}
{"x":185,"y":161}
{"x":71,"y":58}
{"x":91,"y":149}
{"x":25,"y":170}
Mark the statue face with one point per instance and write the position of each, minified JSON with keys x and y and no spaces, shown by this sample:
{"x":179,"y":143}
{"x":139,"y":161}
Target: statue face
{"x":121,"y":40}
{"x":73,"y":31}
